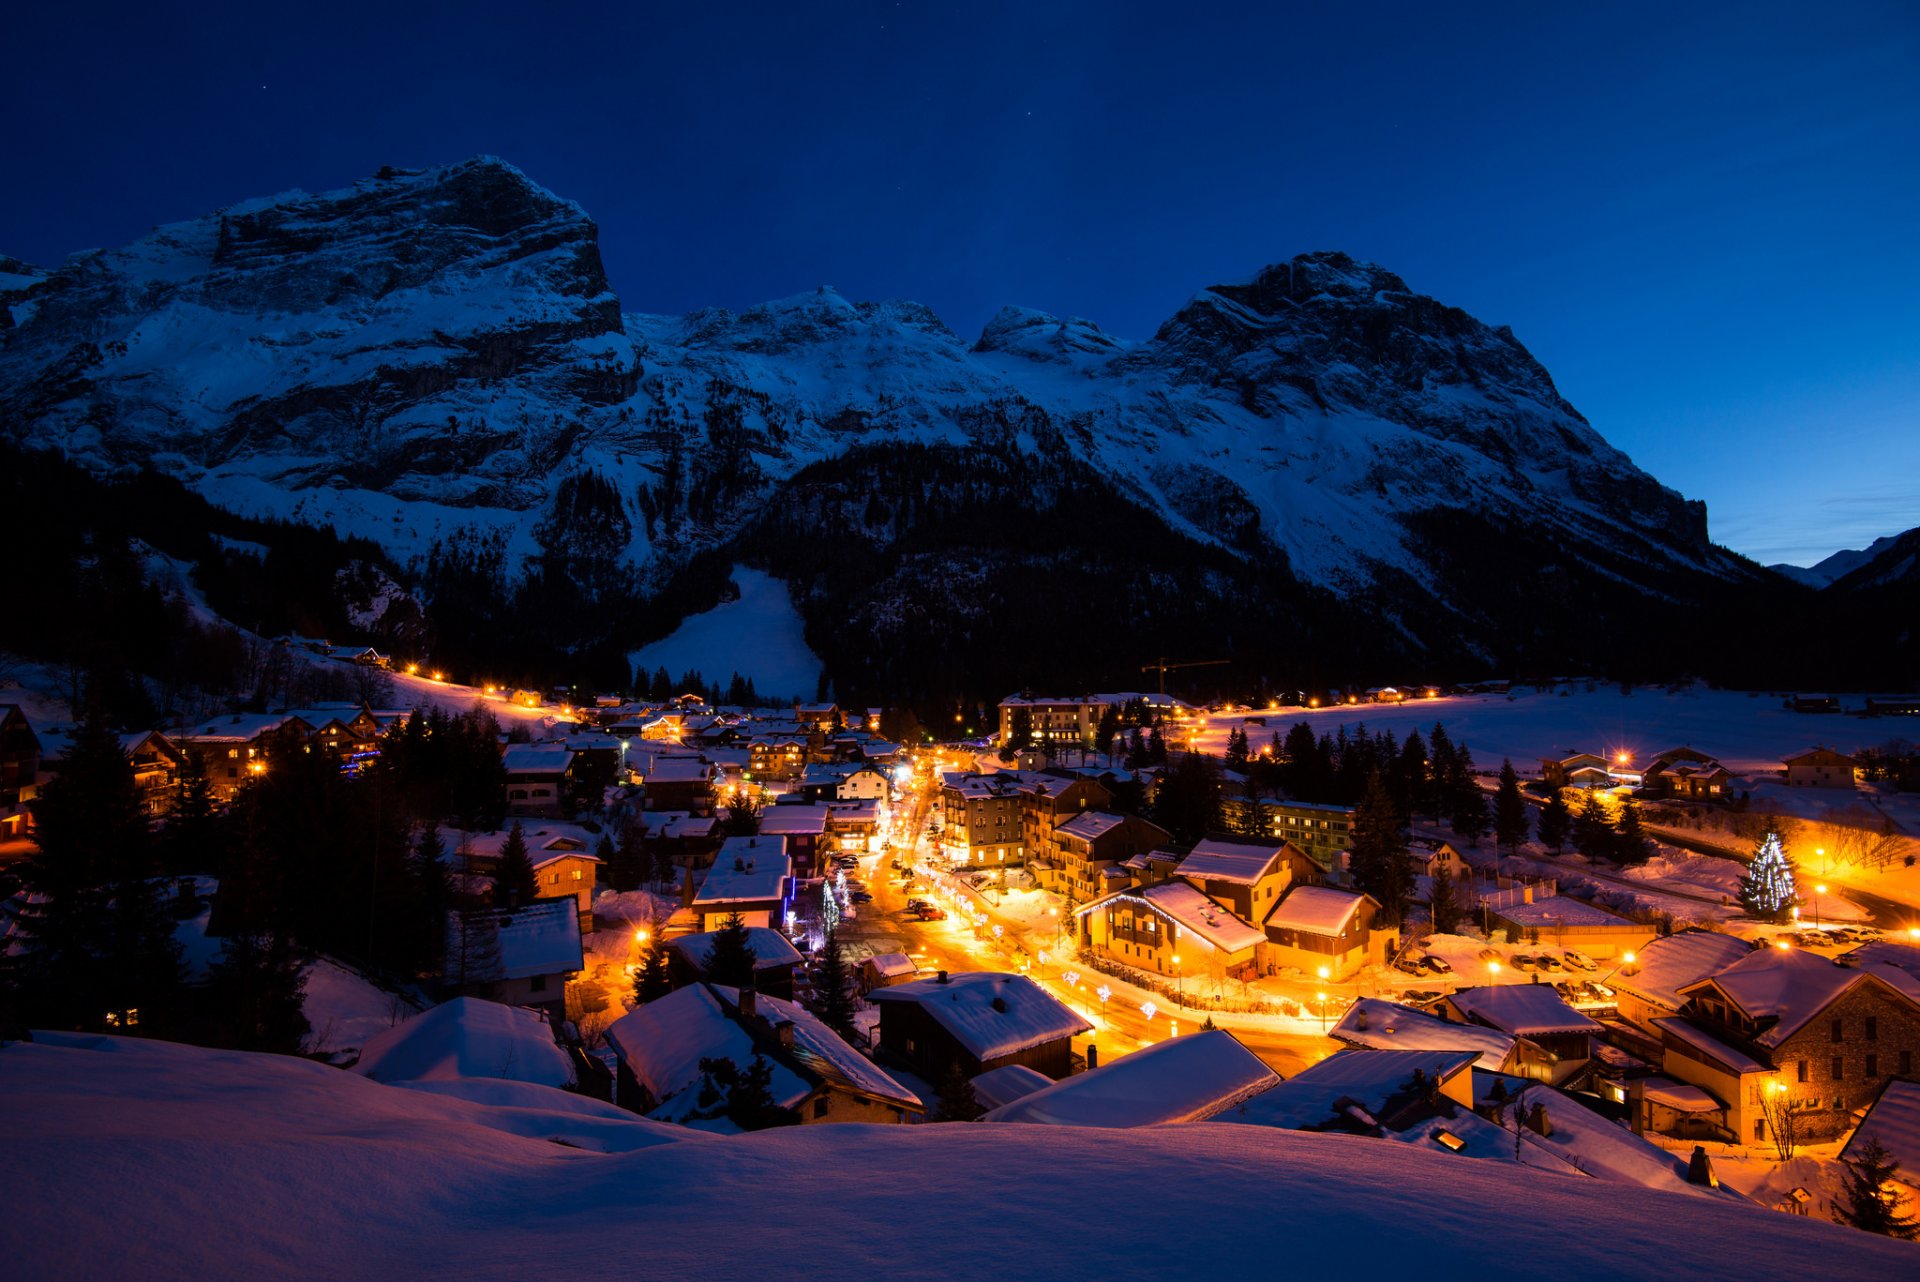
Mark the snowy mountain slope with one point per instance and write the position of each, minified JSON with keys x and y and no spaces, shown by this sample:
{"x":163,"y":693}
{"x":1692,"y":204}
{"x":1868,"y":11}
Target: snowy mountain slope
{"x":212,"y":1165}
{"x":439,"y":351}
{"x":1837,"y":566}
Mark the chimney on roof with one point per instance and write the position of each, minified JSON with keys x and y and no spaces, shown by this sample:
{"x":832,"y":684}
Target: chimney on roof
{"x":1700,"y":1169}
{"x":943,"y":977}
{"x":749,"y":1002}
{"x":1093,"y":1057}
{"x":784,"y":1031}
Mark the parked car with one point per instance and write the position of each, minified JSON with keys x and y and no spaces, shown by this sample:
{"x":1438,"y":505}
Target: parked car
{"x":1489,"y":954}
{"x":1549,"y":962}
{"x":860,"y":897}
{"x":1524,"y":961}
{"x":1411,"y":966}
{"x":1438,"y":965}
{"x":1580,"y":961}
{"x":930,"y":912}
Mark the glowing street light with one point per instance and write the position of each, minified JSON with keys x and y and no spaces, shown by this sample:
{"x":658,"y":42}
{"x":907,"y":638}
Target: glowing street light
{"x":1819,"y":889}
{"x":1322,"y":999}
{"x":1179,"y":982}
{"x":1493,"y":968}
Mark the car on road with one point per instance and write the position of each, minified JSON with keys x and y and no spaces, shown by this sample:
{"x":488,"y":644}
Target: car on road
{"x":930,"y":912}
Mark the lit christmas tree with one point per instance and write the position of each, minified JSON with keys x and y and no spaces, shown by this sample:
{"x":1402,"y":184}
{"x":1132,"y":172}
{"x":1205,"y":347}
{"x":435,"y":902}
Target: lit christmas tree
{"x":1767,"y":892}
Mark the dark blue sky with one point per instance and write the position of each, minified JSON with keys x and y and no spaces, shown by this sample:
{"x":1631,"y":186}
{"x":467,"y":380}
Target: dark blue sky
{"x":1701,"y":218}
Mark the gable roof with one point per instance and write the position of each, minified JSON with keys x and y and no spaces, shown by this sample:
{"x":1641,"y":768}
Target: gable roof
{"x":1236,"y":861}
{"x":1894,"y":1120}
{"x":1089,"y":825}
{"x":747,"y":870}
{"x":1326,"y":1094}
{"x":1525,"y":1010}
{"x":1669,"y":964}
{"x":537,"y":758}
{"x":1007,"y":1083}
{"x":663,"y":1042}
{"x":1318,"y":910}
{"x":769,"y":947}
{"x":989,"y":1013}
{"x":1182,"y":1079}
{"x":543,"y":938}
{"x":464,"y":1038}
{"x":1377,"y":1024}
{"x":1182,"y":904}
{"x":1787,"y":986}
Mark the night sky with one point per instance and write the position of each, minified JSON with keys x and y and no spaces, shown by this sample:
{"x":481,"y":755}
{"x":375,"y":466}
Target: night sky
{"x":1701,"y":218}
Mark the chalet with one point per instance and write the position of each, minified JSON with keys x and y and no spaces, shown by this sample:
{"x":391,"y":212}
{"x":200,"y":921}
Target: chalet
{"x":157,"y":764}
{"x":1055,"y":721}
{"x":1818,"y":703}
{"x":1247,"y":878}
{"x":1782,"y":1022}
{"x":806,"y":832}
{"x":884,"y":970}
{"x":1045,"y":802}
{"x":1327,"y":931}
{"x":975,"y":1022}
{"x":564,"y":866}
{"x":680,"y":783}
{"x":237,"y":748}
{"x":1581,"y":770}
{"x":1648,"y":986}
{"x":772,"y":757}
{"x":19,"y":770}
{"x":1821,"y":768}
{"x":1907,"y":705}
{"x":1386,"y":694}
{"x":1181,"y":1079}
{"x":1365,"y":1092}
{"x":342,"y":730}
{"x":539,"y":778}
{"x":518,"y":956}
{"x":816,"y":1076}
{"x":854,"y":825}
{"x":1172,"y":928}
{"x":751,"y":876}
{"x":774,"y":960}
{"x":1687,"y":774}
{"x":1090,"y":845}
{"x":1535,"y":1012}
{"x":818,"y":718}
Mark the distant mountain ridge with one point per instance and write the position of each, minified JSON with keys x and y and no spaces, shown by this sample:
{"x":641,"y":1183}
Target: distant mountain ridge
{"x":1837,"y":566}
{"x":436,"y":355}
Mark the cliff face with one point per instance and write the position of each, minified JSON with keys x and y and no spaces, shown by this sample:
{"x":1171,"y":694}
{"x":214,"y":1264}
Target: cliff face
{"x":437,"y":352}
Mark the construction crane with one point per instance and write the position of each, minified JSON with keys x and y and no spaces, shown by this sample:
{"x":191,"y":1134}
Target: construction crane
{"x":1163,"y":667}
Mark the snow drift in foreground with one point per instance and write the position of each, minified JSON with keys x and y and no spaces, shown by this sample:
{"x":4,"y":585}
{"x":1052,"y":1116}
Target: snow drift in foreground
{"x":140,"y":1158}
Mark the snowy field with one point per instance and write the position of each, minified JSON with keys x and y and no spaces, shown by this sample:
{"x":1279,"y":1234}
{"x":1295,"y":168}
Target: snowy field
{"x":758,"y":636}
{"x":1748,"y":733}
{"x":174,"y":1162}
{"x":345,"y":1009}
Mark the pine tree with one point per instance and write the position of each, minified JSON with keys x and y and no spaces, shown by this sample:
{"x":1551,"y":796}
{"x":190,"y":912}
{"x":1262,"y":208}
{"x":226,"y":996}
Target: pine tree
{"x":1445,"y":904}
{"x":192,"y":840}
{"x":750,"y":1102}
{"x":1379,"y":860}
{"x":1019,"y":731}
{"x":957,"y":1102}
{"x":742,"y":818}
{"x":835,"y":1001}
{"x":1630,"y":845}
{"x":1442,"y":770}
{"x":433,"y":894}
{"x":730,"y":959}
{"x":630,"y":863}
{"x":1592,"y":831}
{"x":1555,"y":823}
{"x":1238,"y":754}
{"x":256,"y":992}
{"x":1869,"y":1200}
{"x":653,"y":979}
{"x":1767,"y":889}
{"x":1471,"y":818}
{"x":1509,"y":810}
{"x":514,"y":885}
{"x":664,"y":869}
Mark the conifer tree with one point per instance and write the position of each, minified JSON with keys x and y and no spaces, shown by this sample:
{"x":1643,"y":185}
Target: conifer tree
{"x":1379,"y":860}
{"x":957,"y":1102}
{"x":256,"y":993}
{"x":1556,"y":821}
{"x":750,"y":1102}
{"x":1470,"y":815}
{"x":653,"y":979}
{"x":1444,"y":902}
{"x":513,"y":881}
{"x":192,"y":840}
{"x":730,"y":958}
{"x":1767,"y":889}
{"x":433,"y":892}
{"x":1509,"y":810}
{"x":1238,"y":754}
{"x":835,"y":1001}
{"x":1592,"y":832}
{"x":630,"y":863}
{"x":1442,"y":769}
{"x":664,"y":869}
{"x":1869,"y":1200}
{"x":1630,"y":845}
{"x":742,"y":818}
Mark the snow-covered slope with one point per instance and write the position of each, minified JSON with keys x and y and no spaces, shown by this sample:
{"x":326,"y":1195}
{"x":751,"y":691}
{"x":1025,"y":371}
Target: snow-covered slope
{"x":173,"y":1162}
{"x":431,"y":349}
{"x":1837,"y":566}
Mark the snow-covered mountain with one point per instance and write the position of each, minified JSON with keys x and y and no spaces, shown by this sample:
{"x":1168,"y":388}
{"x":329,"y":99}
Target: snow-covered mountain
{"x":439,"y":350}
{"x":1837,"y":566}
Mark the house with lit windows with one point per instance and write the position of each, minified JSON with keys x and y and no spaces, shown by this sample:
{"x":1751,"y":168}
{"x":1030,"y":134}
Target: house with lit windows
{"x":233,"y":749}
{"x":980,"y":819}
{"x":19,"y":770}
{"x":1090,"y":848}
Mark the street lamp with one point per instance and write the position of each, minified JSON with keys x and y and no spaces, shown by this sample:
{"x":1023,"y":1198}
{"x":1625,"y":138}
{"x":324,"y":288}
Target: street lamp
{"x":1179,"y":983}
{"x":1322,"y":999}
{"x":1819,"y":889}
{"x":1493,"y":968}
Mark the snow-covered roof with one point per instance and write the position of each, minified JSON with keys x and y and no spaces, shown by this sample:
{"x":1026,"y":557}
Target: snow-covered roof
{"x":1667,"y":965}
{"x":468,"y":1037}
{"x":663,"y":1042}
{"x":245,"y":726}
{"x":1560,"y":910}
{"x":1182,"y":1079}
{"x":678,"y":770}
{"x":1318,"y":910}
{"x":537,"y":758}
{"x":793,"y":821}
{"x":1682,"y":1097}
{"x":1691,"y":1034}
{"x":1000,"y":1086}
{"x":1366,"y":1080}
{"x":1090,"y":824}
{"x":1786,"y":985}
{"x":1182,"y":904}
{"x":821,"y":1050}
{"x":1525,"y":1010}
{"x":1894,"y":1120}
{"x":989,"y":1013}
{"x":542,"y":938}
{"x":1378,"y":1024}
{"x":893,"y":965}
{"x":1884,"y":952}
{"x":747,"y":869}
{"x":1234,"y":861}
{"x":1607,"y":1150}
{"x":769,"y":947}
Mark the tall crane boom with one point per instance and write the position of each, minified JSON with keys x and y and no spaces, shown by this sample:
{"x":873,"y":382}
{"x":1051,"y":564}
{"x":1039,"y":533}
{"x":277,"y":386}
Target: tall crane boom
{"x":1163,"y":667}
